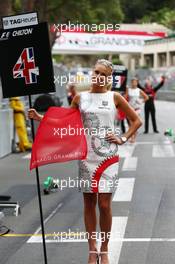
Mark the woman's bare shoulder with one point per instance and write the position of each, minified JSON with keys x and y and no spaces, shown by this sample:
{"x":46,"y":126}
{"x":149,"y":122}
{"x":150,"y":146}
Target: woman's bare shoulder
{"x":117,"y":96}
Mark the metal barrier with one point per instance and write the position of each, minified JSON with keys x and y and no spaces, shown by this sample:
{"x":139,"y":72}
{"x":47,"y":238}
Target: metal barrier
{"x":14,"y":205}
{"x":155,"y":76}
{"x":6,"y":131}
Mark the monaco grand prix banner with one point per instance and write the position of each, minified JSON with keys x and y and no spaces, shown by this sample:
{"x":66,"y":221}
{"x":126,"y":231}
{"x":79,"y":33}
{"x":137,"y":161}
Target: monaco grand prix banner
{"x":25,"y":61}
{"x":121,"y":41}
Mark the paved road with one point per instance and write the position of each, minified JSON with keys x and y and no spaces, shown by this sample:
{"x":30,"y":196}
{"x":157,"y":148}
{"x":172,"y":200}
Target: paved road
{"x":143,"y":206}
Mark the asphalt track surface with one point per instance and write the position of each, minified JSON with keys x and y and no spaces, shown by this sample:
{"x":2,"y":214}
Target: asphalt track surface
{"x":143,"y":206}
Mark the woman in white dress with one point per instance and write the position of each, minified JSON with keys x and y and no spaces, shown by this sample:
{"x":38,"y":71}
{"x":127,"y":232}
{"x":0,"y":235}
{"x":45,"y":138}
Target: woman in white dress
{"x":98,"y":173}
{"x":134,"y":96}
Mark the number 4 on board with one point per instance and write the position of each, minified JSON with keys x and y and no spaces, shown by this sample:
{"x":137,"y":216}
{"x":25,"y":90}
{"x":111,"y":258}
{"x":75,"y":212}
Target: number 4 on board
{"x":25,"y":67}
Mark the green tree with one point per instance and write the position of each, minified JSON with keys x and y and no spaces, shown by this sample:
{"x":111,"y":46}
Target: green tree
{"x":164,"y":16}
{"x":59,"y":11}
{"x":107,"y":11}
{"x":135,"y":10}
{"x":5,"y":7}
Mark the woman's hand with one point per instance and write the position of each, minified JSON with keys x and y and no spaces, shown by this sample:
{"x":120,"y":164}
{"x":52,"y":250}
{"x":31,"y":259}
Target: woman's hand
{"x":33,"y":114}
{"x":114,"y":139}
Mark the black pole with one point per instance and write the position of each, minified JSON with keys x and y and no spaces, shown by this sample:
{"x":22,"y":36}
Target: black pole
{"x":39,"y":193}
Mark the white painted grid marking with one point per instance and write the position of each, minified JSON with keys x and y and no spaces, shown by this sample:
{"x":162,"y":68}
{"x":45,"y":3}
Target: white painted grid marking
{"x":39,"y":239}
{"x":124,"y":190}
{"x":130,"y":164}
{"x":126,"y":150}
{"x":118,"y":231}
{"x":28,"y":156}
{"x":165,"y":151}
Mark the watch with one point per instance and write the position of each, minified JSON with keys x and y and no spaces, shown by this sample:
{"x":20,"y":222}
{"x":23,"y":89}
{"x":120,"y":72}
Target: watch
{"x":123,"y":139}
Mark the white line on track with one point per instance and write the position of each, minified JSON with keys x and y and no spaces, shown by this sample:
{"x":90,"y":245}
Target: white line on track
{"x":166,"y":141}
{"x":115,"y":244}
{"x":165,"y":151}
{"x":118,"y":232}
{"x":130,"y":164}
{"x":28,"y":156}
{"x":124,"y":190}
{"x":33,"y":238}
{"x":126,"y":150}
{"x":141,"y":239}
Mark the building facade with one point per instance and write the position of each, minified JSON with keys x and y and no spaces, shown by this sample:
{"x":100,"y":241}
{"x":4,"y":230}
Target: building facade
{"x":158,"y":53}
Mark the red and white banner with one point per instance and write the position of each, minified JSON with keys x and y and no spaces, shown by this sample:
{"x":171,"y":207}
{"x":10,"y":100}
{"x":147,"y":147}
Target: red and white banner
{"x":59,"y":138}
{"x":109,"y":42}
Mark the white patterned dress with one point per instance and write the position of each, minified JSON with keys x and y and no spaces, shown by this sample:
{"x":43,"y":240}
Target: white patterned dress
{"x":134,"y":99}
{"x":99,"y":171}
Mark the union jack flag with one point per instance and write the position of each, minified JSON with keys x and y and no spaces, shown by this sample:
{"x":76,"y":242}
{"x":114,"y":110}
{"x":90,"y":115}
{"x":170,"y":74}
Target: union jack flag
{"x":25,"y":67}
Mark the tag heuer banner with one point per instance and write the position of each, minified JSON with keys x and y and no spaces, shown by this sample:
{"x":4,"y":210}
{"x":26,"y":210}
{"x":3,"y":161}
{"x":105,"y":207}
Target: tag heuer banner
{"x":119,"y":78}
{"x":25,"y":61}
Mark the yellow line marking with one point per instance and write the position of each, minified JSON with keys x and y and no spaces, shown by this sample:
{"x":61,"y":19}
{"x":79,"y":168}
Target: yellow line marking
{"x":39,"y":235}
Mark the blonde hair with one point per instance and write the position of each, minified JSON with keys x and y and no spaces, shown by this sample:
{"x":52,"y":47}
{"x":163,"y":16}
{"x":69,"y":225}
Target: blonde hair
{"x":106,"y":63}
{"x":109,"y":86}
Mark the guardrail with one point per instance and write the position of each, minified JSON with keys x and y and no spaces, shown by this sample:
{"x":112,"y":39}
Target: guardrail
{"x":166,"y":95}
{"x":6,"y":131}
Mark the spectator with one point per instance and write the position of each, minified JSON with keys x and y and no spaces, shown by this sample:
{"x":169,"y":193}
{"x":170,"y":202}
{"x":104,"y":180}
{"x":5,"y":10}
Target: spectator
{"x":149,"y":104}
{"x":20,"y":123}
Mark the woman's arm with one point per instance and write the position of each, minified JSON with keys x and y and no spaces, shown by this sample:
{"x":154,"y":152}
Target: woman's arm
{"x":156,"y":88}
{"x":134,"y":119}
{"x":136,"y":122}
{"x":75,"y":101}
{"x":33,"y":114}
{"x":144,"y":95}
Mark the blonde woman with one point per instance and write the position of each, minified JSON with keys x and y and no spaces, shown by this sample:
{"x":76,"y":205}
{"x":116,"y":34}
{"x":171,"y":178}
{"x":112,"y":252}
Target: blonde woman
{"x":98,"y":172}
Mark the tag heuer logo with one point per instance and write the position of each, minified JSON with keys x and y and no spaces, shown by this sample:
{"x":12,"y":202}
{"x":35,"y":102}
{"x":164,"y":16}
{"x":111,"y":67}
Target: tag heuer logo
{"x":104,"y":103}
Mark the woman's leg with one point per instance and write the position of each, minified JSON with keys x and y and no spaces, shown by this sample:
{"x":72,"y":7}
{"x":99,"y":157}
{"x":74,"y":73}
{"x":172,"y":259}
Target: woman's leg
{"x":90,"y":201}
{"x":146,"y":109}
{"x":153,"y":117}
{"x":104,"y":203}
